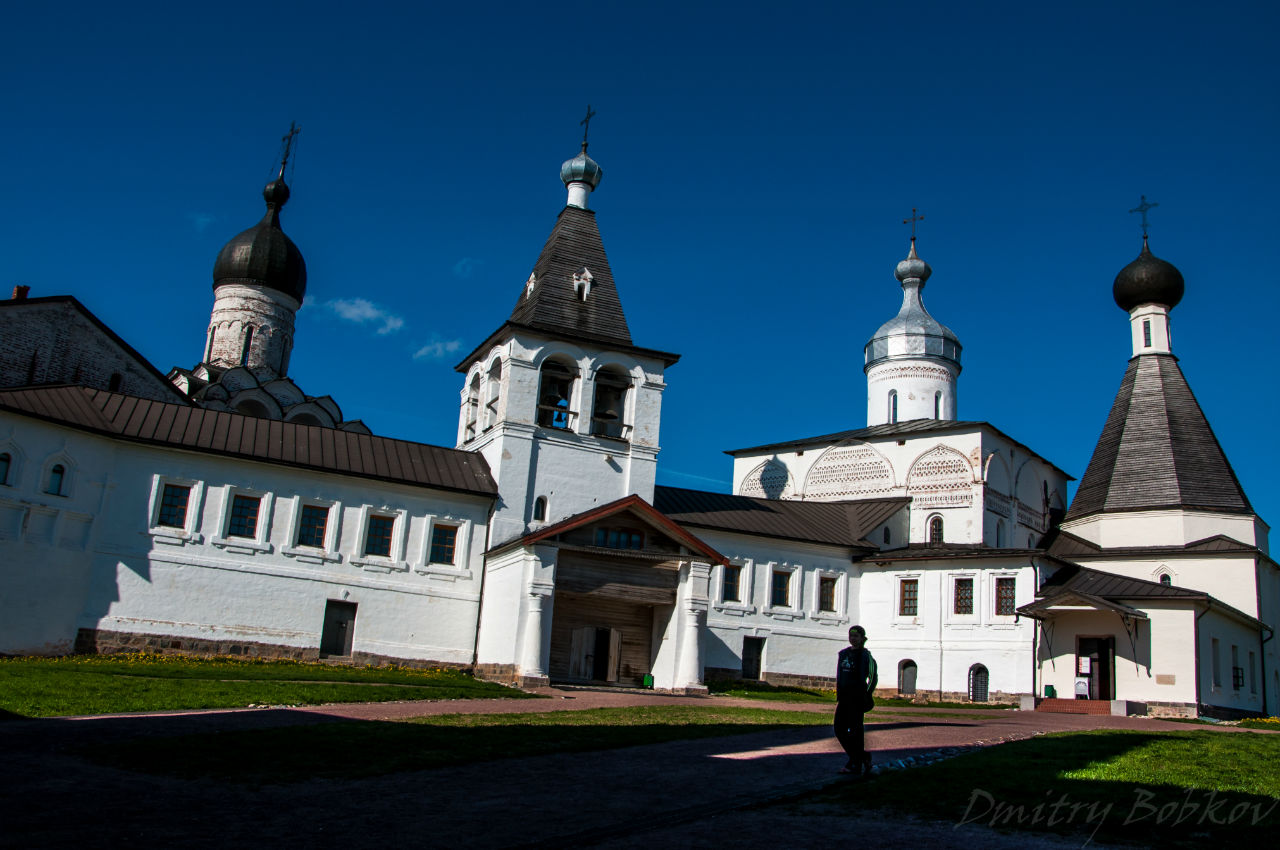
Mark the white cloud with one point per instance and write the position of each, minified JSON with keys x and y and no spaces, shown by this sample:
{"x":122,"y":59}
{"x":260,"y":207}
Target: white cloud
{"x":437,"y":349}
{"x":364,"y":312}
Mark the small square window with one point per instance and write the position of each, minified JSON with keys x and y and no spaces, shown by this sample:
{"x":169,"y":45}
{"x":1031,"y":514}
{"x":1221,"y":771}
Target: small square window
{"x":964,"y":596}
{"x":173,"y":506}
{"x":732,"y":578}
{"x":827,"y":594}
{"x":312,"y":525}
{"x":1005,"y":597}
{"x":444,"y":540}
{"x":908,"y":597}
{"x":244,"y":516}
{"x":377,"y":539}
{"x":781,"y":590}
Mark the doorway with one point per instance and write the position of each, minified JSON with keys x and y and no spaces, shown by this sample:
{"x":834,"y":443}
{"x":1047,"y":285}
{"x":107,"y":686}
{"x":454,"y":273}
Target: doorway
{"x":339,"y":627}
{"x":1095,"y":662}
{"x":752,"y":657}
{"x":595,"y":653}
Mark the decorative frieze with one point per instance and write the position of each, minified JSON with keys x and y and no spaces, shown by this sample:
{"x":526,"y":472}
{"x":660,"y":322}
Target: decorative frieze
{"x":847,"y":471}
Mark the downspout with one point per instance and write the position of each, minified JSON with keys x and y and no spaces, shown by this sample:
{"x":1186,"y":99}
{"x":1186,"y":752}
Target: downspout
{"x":484,"y":563}
{"x":942,"y":587}
{"x":1262,"y":642}
{"x":1196,"y":637}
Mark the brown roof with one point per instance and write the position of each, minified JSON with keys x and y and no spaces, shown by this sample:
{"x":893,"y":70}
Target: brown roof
{"x":1067,"y":546}
{"x":1157,"y":449}
{"x":836,"y":523}
{"x":928,"y":551}
{"x":1078,"y":579}
{"x":288,"y":443}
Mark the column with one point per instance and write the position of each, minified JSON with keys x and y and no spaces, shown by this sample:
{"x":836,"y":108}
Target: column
{"x":695,"y":615}
{"x":531,"y":662}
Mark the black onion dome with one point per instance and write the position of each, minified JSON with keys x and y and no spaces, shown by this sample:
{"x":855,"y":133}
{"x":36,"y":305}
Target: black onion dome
{"x":263,"y":255}
{"x":1148,"y":280}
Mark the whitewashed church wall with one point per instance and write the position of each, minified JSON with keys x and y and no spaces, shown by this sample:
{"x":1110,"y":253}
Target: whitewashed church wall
{"x":505,"y":607}
{"x":916,"y":383}
{"x":1230,"y":579}
{"x":1220,"y":690}
{"x":1166,"y":528}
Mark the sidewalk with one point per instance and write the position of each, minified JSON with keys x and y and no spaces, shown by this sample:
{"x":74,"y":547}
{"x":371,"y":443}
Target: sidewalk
{"x":685,"y":793}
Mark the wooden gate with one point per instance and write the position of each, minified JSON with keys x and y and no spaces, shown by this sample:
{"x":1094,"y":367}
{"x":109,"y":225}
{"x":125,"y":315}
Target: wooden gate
{"x":600,"y":639}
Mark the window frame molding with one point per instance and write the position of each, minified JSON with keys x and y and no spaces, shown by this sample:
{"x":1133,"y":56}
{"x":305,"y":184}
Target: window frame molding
{"x":261,"y":541}
{"x":67,"y":487}
{"x":190,"y":532}
{"x":379,"y":563}
{"x":461,"y":566}
{"x":17,"y":462}
{"x":840,"y":615}
{"x":743,"y":606}
{"x":909,"y":620}
{"x":992,"y":596}
{"x":974,"y":617}
{"x":794,"y":609}
{"x":332,"y":532}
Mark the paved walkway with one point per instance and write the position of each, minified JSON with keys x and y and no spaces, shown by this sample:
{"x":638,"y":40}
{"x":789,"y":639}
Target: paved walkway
{"x":685,"y":793}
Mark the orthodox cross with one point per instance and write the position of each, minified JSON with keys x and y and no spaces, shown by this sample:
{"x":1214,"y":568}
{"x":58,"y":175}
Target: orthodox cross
{"x":1142,"y":208}
{"x":287,"y":138}
{"x":586,"y":126}
{"x":912,"y":221}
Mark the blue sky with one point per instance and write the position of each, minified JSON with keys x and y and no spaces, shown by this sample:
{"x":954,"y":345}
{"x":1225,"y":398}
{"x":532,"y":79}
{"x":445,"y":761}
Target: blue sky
{"x":758,"y":163}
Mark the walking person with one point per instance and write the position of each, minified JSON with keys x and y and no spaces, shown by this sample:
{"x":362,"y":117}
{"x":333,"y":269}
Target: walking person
{"x":855,"y":683}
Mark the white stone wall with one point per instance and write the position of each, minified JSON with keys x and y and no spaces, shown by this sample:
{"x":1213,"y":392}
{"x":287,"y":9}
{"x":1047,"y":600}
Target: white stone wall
{"x":1229,"y":578}
{"x":1170,"y":527}
{"x":238,"y":307}
{"x":122,"y":572}
{"x":917,"y":383}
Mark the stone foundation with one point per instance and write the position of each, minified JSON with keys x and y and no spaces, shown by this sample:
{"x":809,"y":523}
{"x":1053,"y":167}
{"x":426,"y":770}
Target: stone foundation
{"x":503,"y":674}
{"x":1218,"y":712}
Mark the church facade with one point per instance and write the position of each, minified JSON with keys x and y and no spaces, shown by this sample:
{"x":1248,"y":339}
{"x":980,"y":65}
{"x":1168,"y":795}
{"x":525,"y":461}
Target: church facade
{"x":222,"y":509}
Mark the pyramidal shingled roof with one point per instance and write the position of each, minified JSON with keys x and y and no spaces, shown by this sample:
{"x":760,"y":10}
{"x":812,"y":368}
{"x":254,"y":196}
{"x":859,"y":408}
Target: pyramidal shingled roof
{"x":1157,"y":450}
{"x":554,"y":304}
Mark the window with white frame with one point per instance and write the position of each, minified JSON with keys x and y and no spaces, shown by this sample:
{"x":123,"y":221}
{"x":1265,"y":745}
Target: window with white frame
{"x":444,"y":543}
{"x":314,"y":531}
{"x":246,"y":520}
{"x":445,"y":548}
{"x":827,"y":594}
{"x":381,"y":539}
{"x":731,"y":586}
{"x":379,"y":532}
{"x":780,"y":588}
{"x":493,"y":394}
{"x":962,"y":596}
{"x":908,"y":597}
{"x":175,"y":509}
{"x":935,"y":529}
{"x":555,"y":395}
{"x":1006,"y":596}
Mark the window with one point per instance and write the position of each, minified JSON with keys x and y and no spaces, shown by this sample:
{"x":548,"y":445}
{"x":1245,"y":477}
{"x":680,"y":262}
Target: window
{"x":1217,"y":665}
{"x":893,"y":406}
{"x":937,"y":405}
{"x":540,"y":509}
{"x":493,"y":394}
{"x":827,"y":594}
{"x":444,"y":542}
{"x":1237,"y":672}
{"x":173,"y":506}
{"x":1005,"y":597}
{"x":6,"y":461}
{"x":313,"y":522}
{"x":472,"y":408}
{"x":57,"y":477}
{"x":244,"y":516}
{"x":963,"y":596}
{"x":377,"y":540}
{"x":555,"y":396}
{"x":908,"y":597}
{"x":1166,"y":580}
{"x":610,"y":406}
{"x":248,"y":344}
{"x":935,"y":530}
{"x":1000,"y":534}
{"x":887,"y":536}
{"x":780,"y":590}
{"x":620,"y":538}
{"x":732,"y":581}
{"x":1146,"y":333}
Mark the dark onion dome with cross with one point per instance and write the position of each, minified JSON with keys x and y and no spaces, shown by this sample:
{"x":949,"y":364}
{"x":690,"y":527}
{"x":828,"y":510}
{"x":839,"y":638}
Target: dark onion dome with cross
{"x":1148,"y":280}
{"x":263,"y":255}
{"x":582,"y":168}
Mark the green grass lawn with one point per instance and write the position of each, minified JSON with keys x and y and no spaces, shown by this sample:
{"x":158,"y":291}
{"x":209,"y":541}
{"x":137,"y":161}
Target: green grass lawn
{"x":1194,"y":788}
{"x":785,"y":693}
{"x":354,"y":749}
{"x":109,"y":684}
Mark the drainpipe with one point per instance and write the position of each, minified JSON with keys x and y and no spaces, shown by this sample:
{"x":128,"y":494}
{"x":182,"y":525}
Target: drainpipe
{"x":484,"y":562}
{"x":1262,"y":642}
{"x":1196,"y":637}
{"x":942,"y":586}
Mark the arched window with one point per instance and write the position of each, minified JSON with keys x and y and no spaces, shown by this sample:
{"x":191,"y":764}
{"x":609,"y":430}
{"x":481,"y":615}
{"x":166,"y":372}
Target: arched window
{"x":473,"y":407}
{"x":935,"y":529}
{"x":113,"y":385}
{"x":978,"y":679}
{"x":1044,"y":487}
{"x":208,"y":346}
{"x":493,"y":394}
{"x":937,"y":405}
{"x":906,"y":676}
{"x":57,"y":477}
{"x":1166,"y":580}
{"x":893,"y":406}
{"x":610,"y":407}
{"x":248,"y":344}
{"x":1000,"y":534}
{"x":555,"y":395}
{"x":540,"y":509}
{"x":6,"y":461}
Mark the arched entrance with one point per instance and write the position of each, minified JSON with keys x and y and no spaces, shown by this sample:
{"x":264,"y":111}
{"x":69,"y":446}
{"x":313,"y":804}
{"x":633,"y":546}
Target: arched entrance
{"x":978,"y":679}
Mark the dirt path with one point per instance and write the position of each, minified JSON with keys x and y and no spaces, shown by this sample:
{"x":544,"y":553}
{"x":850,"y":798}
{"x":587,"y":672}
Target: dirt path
{"x":700,"y":793}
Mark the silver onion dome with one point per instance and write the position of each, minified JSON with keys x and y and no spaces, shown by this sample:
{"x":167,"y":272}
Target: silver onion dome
{"x":581,"y":169}
{"x":913,"y":332}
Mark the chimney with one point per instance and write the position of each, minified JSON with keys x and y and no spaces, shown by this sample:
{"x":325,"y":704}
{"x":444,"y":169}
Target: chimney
{"x":20,"y":293}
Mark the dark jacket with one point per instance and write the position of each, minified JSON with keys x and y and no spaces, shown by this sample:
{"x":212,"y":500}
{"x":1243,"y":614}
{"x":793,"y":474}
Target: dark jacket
{"x":855,"y":675}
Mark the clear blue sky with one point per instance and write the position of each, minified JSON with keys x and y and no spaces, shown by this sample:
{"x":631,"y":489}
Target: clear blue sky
{"x":758,"y":163}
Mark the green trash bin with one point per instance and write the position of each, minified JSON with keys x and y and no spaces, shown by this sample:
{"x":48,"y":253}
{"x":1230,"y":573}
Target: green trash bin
{"x":648,"y":681}
{"x":1050,"y":692}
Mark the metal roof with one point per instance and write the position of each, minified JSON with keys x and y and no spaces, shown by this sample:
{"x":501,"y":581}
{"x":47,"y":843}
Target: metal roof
{"x":1078,"y":579}
{"x":1157,"y":450}
{"x":834,"y":523}
{"x":927,"y":551}
{"x":271,"y":441}
{"x":1066,"y":545}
